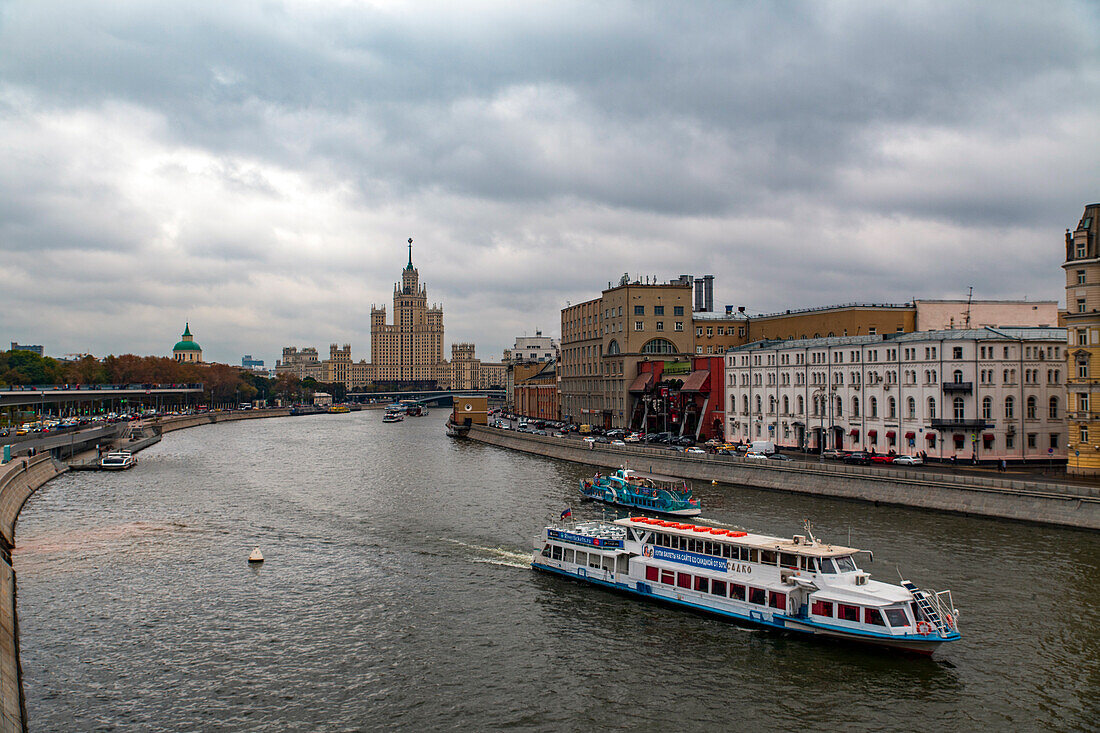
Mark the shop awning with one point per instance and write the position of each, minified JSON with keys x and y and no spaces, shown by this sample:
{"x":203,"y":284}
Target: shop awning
{"x":853,"y":433}
{"x":872,"y":433}
{"x":930,"y":437}
{"x":642,"y":382}
{"x":890,"y":433}
{"x":696,"y":381}
{"x":987,"y":437}
{"x":798,"y":423}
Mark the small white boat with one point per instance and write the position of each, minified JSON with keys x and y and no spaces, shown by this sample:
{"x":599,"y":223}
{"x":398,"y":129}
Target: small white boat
{"x":256,"y":556}
{"x":393,"y":416}
{"x":117,"y":461}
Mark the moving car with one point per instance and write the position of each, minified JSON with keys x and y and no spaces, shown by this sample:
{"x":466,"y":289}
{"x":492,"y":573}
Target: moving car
{"x":780,"y":457}
{"x":756,"y":456}
{"x":859,"y":458}
{"x":908,"y":460}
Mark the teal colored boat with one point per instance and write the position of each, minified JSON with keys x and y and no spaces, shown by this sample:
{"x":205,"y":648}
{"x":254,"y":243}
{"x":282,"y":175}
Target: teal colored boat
{"x":636,"y":491}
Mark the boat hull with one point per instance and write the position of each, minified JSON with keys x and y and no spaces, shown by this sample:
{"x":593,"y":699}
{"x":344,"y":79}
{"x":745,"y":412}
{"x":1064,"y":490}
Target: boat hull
{"x":691,"y":512}
{"x":634,"y":587}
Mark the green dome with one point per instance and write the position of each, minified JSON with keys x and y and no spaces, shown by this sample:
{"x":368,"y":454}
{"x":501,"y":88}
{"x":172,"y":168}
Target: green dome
{"x":186,"y":346}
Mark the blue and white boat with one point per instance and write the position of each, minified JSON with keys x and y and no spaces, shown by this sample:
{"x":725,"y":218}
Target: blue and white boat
{"x":637,"y":491}
{"x":798,"y":584}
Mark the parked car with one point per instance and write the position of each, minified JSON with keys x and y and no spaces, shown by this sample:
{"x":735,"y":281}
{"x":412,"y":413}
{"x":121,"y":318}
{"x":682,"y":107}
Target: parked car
{"x":635,"y":438}
{"x":833,"y":453}
{"x":602,"y":439}
{"x":780,"y":457}
{"x":616,"y":433}
{"x":618,"y":442}
{"x":695,"y":450}
{"x":589,"y":439}
{"x":859,"y":458}
{"x":882,"y":458}
{"x":683,"y":441}
{"x":908,"y":460}
{"x":756,"y":456}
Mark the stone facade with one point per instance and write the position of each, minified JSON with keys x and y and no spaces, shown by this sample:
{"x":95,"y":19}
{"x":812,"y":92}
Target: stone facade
{"x":988,"y":394}
{"x":1082,"y":320}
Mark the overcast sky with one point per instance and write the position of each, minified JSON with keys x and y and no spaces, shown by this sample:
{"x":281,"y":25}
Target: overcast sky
{"x":255,"y":168}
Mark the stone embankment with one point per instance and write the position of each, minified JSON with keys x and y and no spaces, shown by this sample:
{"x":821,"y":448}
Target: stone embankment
{"x":19,"y":479}
{"x":1032,"y":501}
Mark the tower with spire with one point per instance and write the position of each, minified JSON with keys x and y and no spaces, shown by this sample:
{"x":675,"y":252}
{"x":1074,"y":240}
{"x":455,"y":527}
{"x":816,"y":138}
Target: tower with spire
{"x":411,"y":348}
{"x":186,"y":350}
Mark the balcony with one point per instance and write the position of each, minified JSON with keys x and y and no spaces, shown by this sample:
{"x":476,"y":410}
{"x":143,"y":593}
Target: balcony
{"x":945,"y":423}
{"x":958,"y":387}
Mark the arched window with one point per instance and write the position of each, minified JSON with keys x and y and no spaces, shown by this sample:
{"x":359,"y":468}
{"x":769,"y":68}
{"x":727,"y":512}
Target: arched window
{"x":801,"y":405}
{"x":786,"y":405}
{"x":959,"y":407}
{"x":659,"y":346}
{"x":613,"y":348}
{"x":839,"y":407}
{"x":1010,"y":408}
{"x":911,"y":407}
{"x":1032,"y":408}
{"x":891,"y":408}
{"x":987,"y":408}
{"x":957,"y":376}
{"x":758,"y":404}
{"x":745,"y":403}
{"x":873,"y":407}
{"x":855,"y":407}
{"x":1053,"y":408}
{"x":733,"y":404}
{"x":931,"y":408}
{"x":771,"y":405}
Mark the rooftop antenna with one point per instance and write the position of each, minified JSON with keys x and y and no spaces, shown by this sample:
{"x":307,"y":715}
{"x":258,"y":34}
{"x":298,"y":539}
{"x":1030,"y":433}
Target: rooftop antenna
{"x":969,"y":299}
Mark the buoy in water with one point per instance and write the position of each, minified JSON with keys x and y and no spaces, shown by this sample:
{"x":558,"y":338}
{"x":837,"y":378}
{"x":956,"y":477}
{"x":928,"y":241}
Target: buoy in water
{"x":713,"y":483}
{"x":256,"y":556}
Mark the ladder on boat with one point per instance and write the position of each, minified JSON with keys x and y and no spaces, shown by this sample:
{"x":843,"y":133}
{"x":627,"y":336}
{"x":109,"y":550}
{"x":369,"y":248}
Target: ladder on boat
{"x":932,"y":607}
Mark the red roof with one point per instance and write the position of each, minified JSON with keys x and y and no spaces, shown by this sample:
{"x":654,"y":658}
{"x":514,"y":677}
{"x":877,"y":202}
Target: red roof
{"x":696,"y":381}
{"x":642,"y":382}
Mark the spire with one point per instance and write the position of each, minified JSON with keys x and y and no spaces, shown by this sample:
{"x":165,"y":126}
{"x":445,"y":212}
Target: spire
{"x":410,"y":265}
{"x":186,"y":330}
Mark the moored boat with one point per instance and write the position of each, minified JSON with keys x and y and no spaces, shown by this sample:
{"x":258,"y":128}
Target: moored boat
{"x":393,"y":416}
{"x":117,"y":461}
{"x":633,"y":490}
{"x":798,"y":584}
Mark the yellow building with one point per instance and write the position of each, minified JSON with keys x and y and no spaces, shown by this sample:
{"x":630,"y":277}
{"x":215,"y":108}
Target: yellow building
{"x":186,"y":349}
{"x":411,"y":348}
{"x":1082,"y":320}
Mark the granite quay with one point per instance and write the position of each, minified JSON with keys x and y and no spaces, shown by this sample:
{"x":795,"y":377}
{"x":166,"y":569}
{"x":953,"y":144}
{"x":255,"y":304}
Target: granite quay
{"x":1032,"y":501}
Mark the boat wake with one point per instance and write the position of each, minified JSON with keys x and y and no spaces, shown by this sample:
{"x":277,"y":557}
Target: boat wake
{"x":496,"y":555}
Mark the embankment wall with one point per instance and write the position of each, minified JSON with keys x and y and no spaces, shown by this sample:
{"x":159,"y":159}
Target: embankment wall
{"x":1047,"y":503}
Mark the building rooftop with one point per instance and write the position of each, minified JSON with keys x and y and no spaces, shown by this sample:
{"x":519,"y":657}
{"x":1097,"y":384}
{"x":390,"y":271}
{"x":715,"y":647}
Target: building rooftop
{"x":968,"y":334}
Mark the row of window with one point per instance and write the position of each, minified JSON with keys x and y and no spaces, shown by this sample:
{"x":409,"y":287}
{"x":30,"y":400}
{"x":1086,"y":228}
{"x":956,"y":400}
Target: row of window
{"x":703,"y":584}
{"x":958,"y":405}
{"x":930,"y":353}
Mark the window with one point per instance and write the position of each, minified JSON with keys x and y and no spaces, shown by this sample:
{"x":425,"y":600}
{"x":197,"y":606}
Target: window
{"x":1032,"y":408}
{"x":1010,"y":441}
{"x":891,"y":408}
{"x":873,"y":617}
{"x":855,"y":407}
{"x":718,"y":587}
{"x":931,"y":408}
{"x":1032,"y":440}
{"x":1084,"y":434}
{"x":699,"y":331}
{"x":777,"y":600}
{"x":668,"y":577}
{"x":679,"y":325}
{"x":1081,"y":305}
{"x":658,"y":310}
{"x":660,"y":325}
{"x":652,"y":573}
{"x":639,"y":310}
{"x":957,"y":352}
{"x":822,"y":608}
{"x":847,"y":613}
{"x":710,"y":331}
{"x":702,"y":584}
{"x":1082,"y":337}
{"x":677,"y":310}
{"x":959,"y":408}
{"x":1080,"y":249}
{"x":683,"y":580}
{"x":1053,"y":408}
{"x":639,"y":326}
{"x":1054,"y":440}
{"x":987,"y":408}
{"x":1083,"y":402}
{"x":1080,"y":277}
{"x":1010,"y":408}
{"x":873,"y":406}
{"x":912,"y":408}
{"x":737,"y":592}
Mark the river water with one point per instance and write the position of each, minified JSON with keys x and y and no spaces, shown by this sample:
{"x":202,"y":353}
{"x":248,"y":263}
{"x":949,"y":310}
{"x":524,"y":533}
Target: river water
{"x":396,"y":594}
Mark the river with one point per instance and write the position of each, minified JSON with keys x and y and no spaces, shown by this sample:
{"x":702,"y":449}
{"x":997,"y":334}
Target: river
{"x":396,"y":594}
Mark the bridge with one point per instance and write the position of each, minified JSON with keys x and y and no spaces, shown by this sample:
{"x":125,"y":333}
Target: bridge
{"x":438,"y":397}
{"x":43,"y":394}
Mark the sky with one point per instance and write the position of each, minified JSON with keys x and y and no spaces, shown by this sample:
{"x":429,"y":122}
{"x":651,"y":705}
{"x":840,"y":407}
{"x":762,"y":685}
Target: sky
{"x":255,"y":168}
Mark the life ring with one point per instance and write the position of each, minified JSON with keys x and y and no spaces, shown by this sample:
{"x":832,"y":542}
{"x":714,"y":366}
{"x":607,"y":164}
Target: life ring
{"x":924,"y":628}
{"x":950,"y":621}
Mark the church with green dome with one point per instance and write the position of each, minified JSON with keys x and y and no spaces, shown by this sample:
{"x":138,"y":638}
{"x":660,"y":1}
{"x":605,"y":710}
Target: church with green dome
{"x":186,"y":349}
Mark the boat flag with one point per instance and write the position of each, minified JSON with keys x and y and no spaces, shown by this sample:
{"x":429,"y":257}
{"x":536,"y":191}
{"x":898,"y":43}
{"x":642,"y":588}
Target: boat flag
{"x":567,"y":512}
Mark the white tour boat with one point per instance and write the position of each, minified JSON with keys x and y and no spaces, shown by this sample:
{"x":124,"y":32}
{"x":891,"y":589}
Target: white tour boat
{"x":117,"y":460}
{"x":393,"y":416}
{"x":799,"y":584}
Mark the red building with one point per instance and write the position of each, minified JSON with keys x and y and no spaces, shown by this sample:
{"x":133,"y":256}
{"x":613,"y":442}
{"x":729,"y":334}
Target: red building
{"x":682,"y":396}
{"x":537,"y":395}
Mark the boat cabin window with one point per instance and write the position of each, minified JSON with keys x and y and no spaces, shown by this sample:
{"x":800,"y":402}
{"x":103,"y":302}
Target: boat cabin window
{"x":787,"y":560}
{"x":822,"y":608}
{"x":555,"y":552}
{"x":546,"y":551}
{"x":808,"y":564}
{"x":754,"y":555}
{"x":718,"y":587}
{"x":872,"y":616}
{"x":569,"y":555}
{"x":917,"y":613}
{"x":593,"y":560}
{"x":683,"y":580}
{"x":702,"y":583}
{"x":827,"y":565}
{"x":846,"y":564}
{"x":757,"y":596}
{"x":609,"y":563}
{"x":737,"y":591}
{"x":846,"y":612}
{"x":582,"y":558}
{"x":777,"y":600}
{"x":667,"y":577}
{"x":897,"y":617}
{"x":767,"y":557}
{"x":652,"y":573}
{"x":624,"y":564}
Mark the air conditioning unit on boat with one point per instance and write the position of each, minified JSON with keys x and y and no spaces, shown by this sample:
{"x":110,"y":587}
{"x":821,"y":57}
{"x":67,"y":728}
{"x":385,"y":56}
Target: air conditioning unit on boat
{"x":861,"y":579}
{"x":799,"y":539}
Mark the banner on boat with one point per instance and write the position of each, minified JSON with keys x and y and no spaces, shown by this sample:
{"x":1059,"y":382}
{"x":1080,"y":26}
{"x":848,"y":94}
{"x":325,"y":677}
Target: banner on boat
{"x":687,"y":558}
{"x":580,"y":539}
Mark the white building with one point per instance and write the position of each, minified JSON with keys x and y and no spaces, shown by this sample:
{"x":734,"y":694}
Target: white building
{"x":989,"y":393}
{"x":532,"y":348}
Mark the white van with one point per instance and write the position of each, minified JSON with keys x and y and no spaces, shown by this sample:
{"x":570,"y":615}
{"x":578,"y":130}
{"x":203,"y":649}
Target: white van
{"x":763,"y":446}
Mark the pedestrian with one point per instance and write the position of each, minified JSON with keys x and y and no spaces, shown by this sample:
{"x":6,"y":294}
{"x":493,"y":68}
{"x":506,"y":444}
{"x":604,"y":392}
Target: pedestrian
{"x":1004,"y":465}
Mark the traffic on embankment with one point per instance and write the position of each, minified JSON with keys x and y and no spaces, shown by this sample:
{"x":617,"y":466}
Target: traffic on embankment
{"x":1045,"y":502}
{"x":19,"y":479}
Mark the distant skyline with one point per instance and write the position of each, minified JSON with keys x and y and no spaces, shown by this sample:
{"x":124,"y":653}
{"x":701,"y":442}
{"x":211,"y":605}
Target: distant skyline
{"x":255,"y":169}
